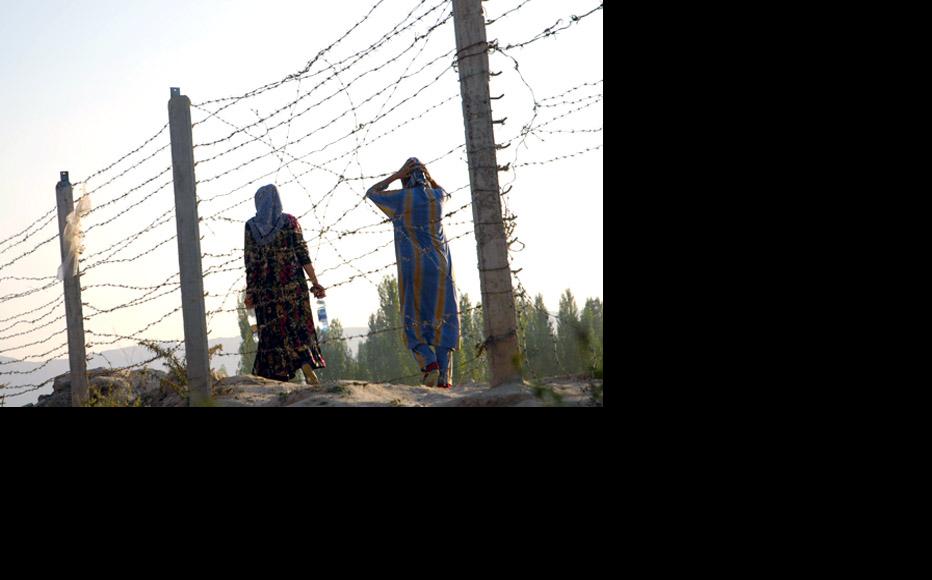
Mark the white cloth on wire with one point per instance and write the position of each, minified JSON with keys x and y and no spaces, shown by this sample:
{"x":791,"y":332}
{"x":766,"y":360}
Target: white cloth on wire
{"x":74,"y":238}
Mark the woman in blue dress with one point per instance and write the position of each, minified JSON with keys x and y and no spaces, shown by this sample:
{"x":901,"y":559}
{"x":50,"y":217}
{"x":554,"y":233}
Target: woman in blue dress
{"x":425,"y":269}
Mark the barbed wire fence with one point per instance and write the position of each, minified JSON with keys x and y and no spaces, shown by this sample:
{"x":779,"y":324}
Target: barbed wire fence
{"x":315,"y":129}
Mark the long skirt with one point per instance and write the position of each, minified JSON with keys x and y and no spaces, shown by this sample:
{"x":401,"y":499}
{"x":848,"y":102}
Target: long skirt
{"x":287,"y":337}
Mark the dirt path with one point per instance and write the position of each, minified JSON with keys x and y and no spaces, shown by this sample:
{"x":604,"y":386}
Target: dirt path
{"x":255,"y":392}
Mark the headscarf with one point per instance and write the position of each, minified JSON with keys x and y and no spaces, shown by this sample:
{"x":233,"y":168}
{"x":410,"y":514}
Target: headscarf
{"x":269,"y":218}
{"x":416,"y":178}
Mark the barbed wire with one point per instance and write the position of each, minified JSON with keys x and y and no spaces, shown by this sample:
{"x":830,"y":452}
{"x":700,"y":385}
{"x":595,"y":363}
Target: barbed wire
{"x":29,"y":252}
{"x":10,"y":297}
{"x":56,"y":300}
{"x":570,"y":131}
{"x":123,"y":158}
{"x":289,"y":105}
{"x":150,"y":296}
{"x":51,"y":218}
{"x":56,"y":304}
{"x":37,"y":342}
{"x":29,"y":278}
{"x":587,"y":98}
{"x":507,"y":13}
{"x":293,"y":109}
{"x":305,"y":136}
{"x":117,"y":337}
{"x":27,"y":389}
{"x":560,"y":158}
{"x":292,"y":116}
{"x":125,"y":195}
{"x":133,"y":258}
{"x":57,"y":349}
{"x":296,"y":178}
{"x":573,"y":90}
{"x":553,"y":30}
{"x":530,"y":128}
{"x":126,"y":172}
{"x":343,"y":179}
{"x":301,"y":74}
{"x":34,"y":329}
{"x":119,"y":246}
{"x":50,"y":215}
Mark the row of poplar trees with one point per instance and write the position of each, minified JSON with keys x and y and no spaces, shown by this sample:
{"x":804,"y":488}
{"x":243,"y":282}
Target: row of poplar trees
{"x":567,"y":343}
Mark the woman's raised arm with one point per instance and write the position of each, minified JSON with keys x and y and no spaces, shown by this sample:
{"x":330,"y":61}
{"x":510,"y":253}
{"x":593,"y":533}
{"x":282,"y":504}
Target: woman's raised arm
{"x":400,"y":174}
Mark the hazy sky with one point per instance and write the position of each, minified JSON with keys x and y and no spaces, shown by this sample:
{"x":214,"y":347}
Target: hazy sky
{"x":85,"y":81}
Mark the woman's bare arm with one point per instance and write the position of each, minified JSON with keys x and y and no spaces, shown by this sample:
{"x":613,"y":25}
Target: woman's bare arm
{"x":318,"y":290}
{"x":400,"y":174}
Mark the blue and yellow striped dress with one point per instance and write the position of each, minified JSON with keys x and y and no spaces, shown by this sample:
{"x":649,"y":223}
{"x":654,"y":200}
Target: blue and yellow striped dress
{"x":425,"y":267}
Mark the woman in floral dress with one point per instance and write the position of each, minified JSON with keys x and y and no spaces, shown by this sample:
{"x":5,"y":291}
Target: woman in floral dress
{"x":276,"y":260}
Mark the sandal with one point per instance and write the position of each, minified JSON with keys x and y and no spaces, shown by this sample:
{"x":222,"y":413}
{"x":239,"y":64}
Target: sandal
{"x":310,"y":376}
{"x":431,"y":375}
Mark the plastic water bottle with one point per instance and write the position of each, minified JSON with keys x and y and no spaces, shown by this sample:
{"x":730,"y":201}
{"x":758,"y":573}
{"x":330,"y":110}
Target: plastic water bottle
{"x":253,"y":323}
{"x":322,"y":315}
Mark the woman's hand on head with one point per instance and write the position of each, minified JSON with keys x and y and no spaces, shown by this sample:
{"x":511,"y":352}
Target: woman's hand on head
{"x":406,"y":170}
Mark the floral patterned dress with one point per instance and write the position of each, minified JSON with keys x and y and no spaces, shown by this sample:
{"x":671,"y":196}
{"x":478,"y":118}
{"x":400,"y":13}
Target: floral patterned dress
{"x":276,"y":282}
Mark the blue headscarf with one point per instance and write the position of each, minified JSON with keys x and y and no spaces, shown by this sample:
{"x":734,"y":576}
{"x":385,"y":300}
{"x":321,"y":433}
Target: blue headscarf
{"x":416,"y":178}
{"x":269,"y":218}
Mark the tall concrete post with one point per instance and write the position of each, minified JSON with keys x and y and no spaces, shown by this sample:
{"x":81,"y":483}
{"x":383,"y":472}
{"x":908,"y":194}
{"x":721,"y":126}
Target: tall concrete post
{"x":498,"y":302}
{"x":74,"y":312}
{"x":189,"y":250}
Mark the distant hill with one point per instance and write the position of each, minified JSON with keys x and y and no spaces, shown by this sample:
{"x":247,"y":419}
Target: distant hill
{"x":53,"y":369}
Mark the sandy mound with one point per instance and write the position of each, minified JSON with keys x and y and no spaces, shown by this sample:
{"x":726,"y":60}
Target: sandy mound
{"x":146,"y":389}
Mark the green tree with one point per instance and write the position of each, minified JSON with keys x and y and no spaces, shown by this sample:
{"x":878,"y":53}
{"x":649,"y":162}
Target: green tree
{"x":385,"y":356}
{"x":540,"y":340}
{"x":485,"y":369}
{"x":465,"y":369}
{"x":570,"y":345}
{"x":522,"y":307}
{"x":362,"y":363}
{"x":248,"y":346}
{"x":590,"y":322}
{"x":570,"y":335}
{"x":340,"y":362}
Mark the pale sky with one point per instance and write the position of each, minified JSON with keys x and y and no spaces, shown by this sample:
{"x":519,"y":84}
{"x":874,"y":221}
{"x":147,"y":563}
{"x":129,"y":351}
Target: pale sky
{"x":86,"y":81}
